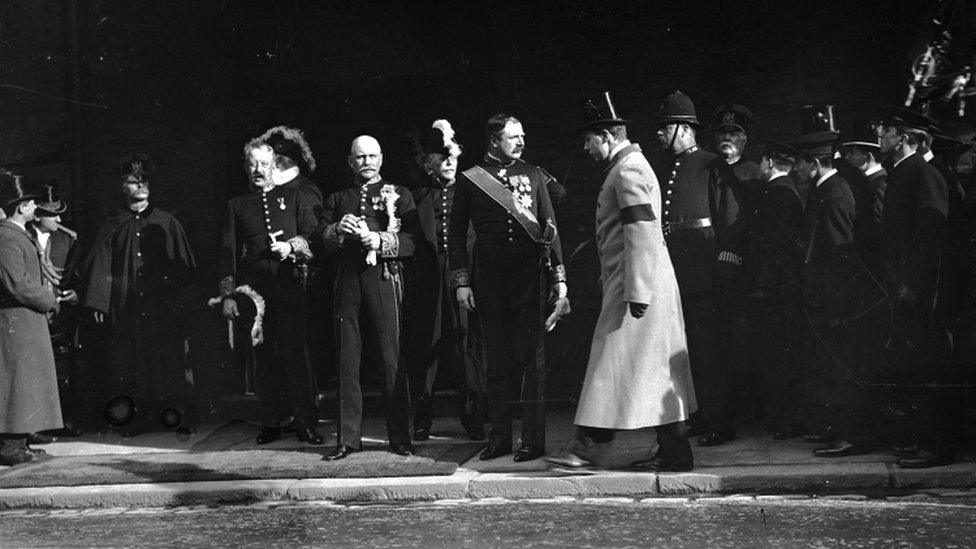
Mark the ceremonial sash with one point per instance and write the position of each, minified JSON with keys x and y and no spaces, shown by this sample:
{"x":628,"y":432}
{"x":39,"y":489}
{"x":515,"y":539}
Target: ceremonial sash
{"x":499,"y":192}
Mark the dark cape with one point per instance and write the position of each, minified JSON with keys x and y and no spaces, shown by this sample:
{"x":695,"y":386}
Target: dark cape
{"x":137,"y":273}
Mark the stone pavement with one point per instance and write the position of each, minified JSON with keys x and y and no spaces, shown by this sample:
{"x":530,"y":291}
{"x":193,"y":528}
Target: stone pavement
{"x":752,"y":464}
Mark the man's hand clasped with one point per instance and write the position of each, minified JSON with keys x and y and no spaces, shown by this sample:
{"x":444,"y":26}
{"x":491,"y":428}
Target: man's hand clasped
{"x":465,"y":298}
{"x":230,"y":309}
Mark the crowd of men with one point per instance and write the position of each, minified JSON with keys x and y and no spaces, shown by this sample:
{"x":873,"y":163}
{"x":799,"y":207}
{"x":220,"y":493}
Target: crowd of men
{"x":825,"y":290}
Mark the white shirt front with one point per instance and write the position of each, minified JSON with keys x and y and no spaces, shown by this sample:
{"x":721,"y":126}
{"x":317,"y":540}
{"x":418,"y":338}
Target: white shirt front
{"x":826,"y":176}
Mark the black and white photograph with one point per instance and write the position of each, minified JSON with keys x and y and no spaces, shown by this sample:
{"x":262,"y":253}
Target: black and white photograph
{"x":487,"y":273}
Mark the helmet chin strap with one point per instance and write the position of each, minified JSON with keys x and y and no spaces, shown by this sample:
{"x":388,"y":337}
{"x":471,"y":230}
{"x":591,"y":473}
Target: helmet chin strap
{"x":674,"y":137}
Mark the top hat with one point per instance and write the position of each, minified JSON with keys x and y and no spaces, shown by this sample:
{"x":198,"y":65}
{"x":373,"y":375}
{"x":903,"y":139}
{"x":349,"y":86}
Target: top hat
{"x":865,"y":134}
{"x":678,"y":108}
{"x":818,"y":131}
{"x":817,"y":118}
{"x":12,"y":190}
{"x":138,"y":165}
{"x":732,"y":117}
{"x":50,"y":203}
{"x":440,"y":138}
{"x":781,"y":150}
{"x":599,"y":111}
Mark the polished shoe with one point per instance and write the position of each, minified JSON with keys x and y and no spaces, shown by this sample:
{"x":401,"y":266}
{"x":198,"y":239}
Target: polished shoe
{"x":493,"y":451}
{"x":476,"y":434}
{"x":402,"y":449}
{"x":309,"y":435}
{"x":714,"y":438}
{"x":421,"y":433}
{"x":40,"y":438}
{"x":658,"y":464}
{"x":268,"y":435}
{"x":18,"y":456}
{"x":842,"y":448}
{"x":342,"y":451}
{"x":568,"y":460}
{"x":905,"y":450}
{"x":924,"y":459}
{"x":528,"y":452}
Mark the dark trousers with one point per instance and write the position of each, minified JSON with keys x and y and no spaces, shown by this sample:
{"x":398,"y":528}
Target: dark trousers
{"x":707,"y":316}
{"x":673,"y":445}
{"x":779,"y":380}
{"x":368,"y":301}
{"x":282,"y":379}
{"x":510,"y":297}
{"x":450,"y":346}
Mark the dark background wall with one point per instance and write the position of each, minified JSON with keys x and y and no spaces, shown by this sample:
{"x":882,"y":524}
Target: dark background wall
{"x":83,"y":82}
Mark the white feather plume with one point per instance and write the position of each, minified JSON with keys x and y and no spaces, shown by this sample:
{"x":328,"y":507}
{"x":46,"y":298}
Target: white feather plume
{"x":450,"y":143}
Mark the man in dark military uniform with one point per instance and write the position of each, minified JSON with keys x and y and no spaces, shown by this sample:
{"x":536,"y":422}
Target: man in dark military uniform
{"x":731,"y":125}
{"x":436,"y":340}
{"x":767,"y":273}
{"x":517,"y":266}
{"x":913,"y":236}
{"x":704,"y":234}
{"x":264,"y":239}
{"x":862,"y":151}
{"x":731,"y":122}
{"x":136,"y":275}
{"x":370,"y":228}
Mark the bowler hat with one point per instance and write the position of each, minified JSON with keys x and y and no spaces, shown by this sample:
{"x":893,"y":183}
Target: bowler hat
{"x":732,"y":117}
{"x":678,"y":108}
{"x":599,"y":111}
{"x":50,"y":203}
{"x":138,"y":165}
{"x":865,"y":134}
{"x":900,"y":116}
{"x":440,"y":138}
{"x":781,"y":150}
{"x":12,"y":190}
{"x":819,"y":144}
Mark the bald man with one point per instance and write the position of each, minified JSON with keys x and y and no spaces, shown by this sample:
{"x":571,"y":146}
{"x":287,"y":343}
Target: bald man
{"x":369,"y":228}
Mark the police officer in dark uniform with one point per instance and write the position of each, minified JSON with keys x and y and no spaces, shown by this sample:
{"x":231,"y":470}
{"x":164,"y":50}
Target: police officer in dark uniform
{"x":731,"y":127}
{"x":517,"y":266}
{"x":371,"y":228}
{"x":704,"y":234}
{"x":265,"y":236}
{"x":731,"y":121}
{"x":767,"y":271}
